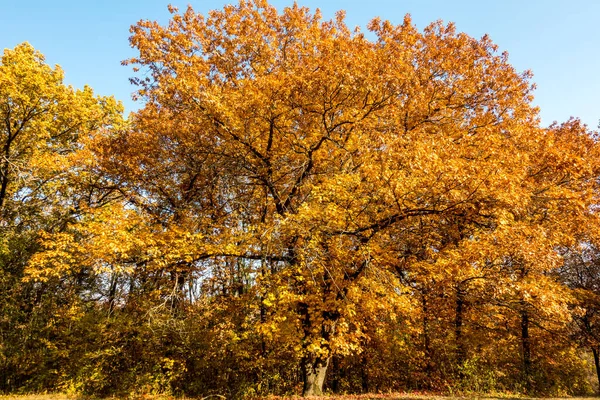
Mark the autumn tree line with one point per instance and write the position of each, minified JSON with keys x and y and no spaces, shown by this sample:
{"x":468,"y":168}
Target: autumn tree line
{"x":296,"y":208}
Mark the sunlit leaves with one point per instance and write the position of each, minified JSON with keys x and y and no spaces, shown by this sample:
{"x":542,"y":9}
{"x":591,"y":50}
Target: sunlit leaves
{"x":297,"y":193}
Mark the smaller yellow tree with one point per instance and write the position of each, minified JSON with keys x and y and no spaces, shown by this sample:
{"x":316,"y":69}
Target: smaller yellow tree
{"x":44,"y":123}
{"x":45,"y":180}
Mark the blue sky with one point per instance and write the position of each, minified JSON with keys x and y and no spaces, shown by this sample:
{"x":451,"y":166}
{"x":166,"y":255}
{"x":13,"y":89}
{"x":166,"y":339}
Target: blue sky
{"x":558,"y":40}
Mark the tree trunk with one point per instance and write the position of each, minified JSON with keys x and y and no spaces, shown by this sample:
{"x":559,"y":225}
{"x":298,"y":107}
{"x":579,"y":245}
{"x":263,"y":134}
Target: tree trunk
{"x":314,"y":368}
{"x":526,"y":347}
{"x":112,"y":292}
{"x":595,"y":350}
{"x":337,"y":371}
{"x":4,"y":183}
{"x":364,"y":376}
{"x":314,"y":372}
{"x":426,"y":339}
{"x":525,"y":341}
{"x":458,"y":324}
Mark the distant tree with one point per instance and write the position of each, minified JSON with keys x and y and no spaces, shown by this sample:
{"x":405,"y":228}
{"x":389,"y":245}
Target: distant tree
{"x":581,"y":272}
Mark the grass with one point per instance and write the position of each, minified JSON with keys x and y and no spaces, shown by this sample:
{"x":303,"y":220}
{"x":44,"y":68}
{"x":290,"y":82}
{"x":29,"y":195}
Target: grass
{"x":397,"y":396}
{"x":59,"y":396}
{"x":36,"y":397}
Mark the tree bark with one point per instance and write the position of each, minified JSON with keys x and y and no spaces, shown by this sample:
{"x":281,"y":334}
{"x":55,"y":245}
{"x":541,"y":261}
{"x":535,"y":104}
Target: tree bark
{"x":526,"y":347}
{"x":364,"y":375}
{"x":313,"y":368}
{"x":3,"y":183}
{"x":112,"y":293}
{"x":458,"y":325}
{"x":426,"y":339}
{"x":335,"y":383}
{"x":314,"y":372}
{"x":595,"y":351}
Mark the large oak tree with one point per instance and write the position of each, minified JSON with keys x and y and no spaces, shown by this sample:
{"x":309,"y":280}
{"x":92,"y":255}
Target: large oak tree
{"x":326,"y":196}
{"x":315,"y":156}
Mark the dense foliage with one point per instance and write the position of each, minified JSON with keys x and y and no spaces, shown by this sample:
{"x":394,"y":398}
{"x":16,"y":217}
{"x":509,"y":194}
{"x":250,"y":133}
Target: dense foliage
{"x":297,"y":207}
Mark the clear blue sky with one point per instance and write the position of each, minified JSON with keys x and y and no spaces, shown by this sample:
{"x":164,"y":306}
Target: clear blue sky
{"x":558,"y":40}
